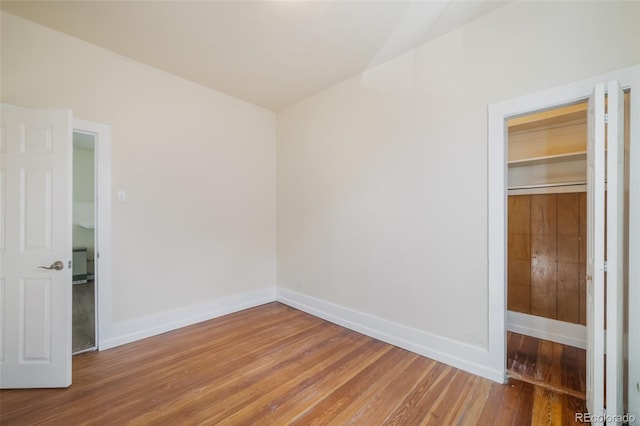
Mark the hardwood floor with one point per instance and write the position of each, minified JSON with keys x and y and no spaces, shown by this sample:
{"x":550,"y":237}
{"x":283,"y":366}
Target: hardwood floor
{"x":276,"y":365}
{"x":553,"y":366}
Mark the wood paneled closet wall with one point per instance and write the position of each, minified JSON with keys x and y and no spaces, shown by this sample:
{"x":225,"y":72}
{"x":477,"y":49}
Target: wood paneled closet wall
{"x":547,"y":255}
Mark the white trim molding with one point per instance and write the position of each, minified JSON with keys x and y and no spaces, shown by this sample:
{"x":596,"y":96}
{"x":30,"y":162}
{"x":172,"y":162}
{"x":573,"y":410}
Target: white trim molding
{"x":548,"y":329}
{"x":102,"y":134}
{"x":152,"y":325}
{"x":634,"y":249}
{"x":457,"y":354}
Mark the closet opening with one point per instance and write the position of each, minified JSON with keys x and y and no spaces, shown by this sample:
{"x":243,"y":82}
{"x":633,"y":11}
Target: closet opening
{"x":547,"y":246}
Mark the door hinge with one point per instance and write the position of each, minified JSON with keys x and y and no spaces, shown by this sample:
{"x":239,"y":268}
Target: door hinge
{"x":606,"y":118}
{"x":605,"y":266}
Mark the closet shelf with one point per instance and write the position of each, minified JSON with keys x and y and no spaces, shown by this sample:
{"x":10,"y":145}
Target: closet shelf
{"x":548,"y":159}
{"x":548,"y":185}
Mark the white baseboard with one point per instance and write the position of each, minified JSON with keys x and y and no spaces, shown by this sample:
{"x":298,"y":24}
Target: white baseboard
{"x":140,"y":328}
{"x":548,"y":329}
{"x":469,"y":358}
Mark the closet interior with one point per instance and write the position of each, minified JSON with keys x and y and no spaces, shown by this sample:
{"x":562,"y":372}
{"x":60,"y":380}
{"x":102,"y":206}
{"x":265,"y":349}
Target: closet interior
{"x":547,"y":214}
{"x":546,"y":245}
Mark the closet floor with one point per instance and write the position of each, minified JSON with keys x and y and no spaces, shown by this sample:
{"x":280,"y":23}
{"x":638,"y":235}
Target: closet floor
{"x":550,"y":365}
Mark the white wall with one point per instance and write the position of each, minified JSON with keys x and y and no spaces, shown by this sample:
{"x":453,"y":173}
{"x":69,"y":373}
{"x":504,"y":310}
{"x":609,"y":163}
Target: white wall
{"x":84,"y":200}
{"x":198,"y":168}
{"x":83,"y":175}
{"x":382,"y":179}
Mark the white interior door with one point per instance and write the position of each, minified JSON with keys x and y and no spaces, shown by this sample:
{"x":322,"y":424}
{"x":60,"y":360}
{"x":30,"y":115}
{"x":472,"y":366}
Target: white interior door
{"x":35,"y":303}
{"x":615,"y":249}
{"x":595,"y":251}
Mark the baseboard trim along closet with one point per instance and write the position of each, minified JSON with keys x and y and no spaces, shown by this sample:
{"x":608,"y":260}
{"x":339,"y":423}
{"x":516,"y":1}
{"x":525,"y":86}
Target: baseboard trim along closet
{"x":465,"y":357}
{"x":548,"y":329}
{"x":140,"y":328}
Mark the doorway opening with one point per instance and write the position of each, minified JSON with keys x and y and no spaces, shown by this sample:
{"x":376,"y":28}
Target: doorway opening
{"x":546,"y":248}
{"x":85,"y":280}
{"x":97,"y":136}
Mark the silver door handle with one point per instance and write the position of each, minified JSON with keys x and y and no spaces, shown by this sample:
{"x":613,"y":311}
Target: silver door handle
{"x":57,"y":265}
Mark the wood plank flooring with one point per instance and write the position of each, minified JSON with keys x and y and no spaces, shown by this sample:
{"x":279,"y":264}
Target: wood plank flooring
{"x":550,"y":365}
{"x":274,"y":365}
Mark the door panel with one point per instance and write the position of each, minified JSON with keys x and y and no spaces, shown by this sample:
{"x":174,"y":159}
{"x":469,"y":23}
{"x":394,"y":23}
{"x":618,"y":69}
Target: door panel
{"x":3,"y":203}
{"x":36,"y":138}
{"x":35,"y":317}
{"x":595,"y":252}
{"x":615,"y":249}
{"x":2,"y":334}
{"x":35,"y":303}
{"x":35,"y":206}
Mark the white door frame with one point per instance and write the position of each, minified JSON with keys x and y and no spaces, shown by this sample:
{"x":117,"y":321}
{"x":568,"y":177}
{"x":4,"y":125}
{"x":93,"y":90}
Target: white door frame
{"x":102,"y":135}
{"x":497,"y":204}
{"x":634,"y":251}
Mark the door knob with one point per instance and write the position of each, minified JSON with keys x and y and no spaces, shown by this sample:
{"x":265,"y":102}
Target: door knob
{"x":57,"y":265}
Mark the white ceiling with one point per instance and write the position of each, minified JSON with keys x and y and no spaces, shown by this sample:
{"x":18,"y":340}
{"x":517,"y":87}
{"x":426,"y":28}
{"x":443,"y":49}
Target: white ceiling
{"x":269,"y":53}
